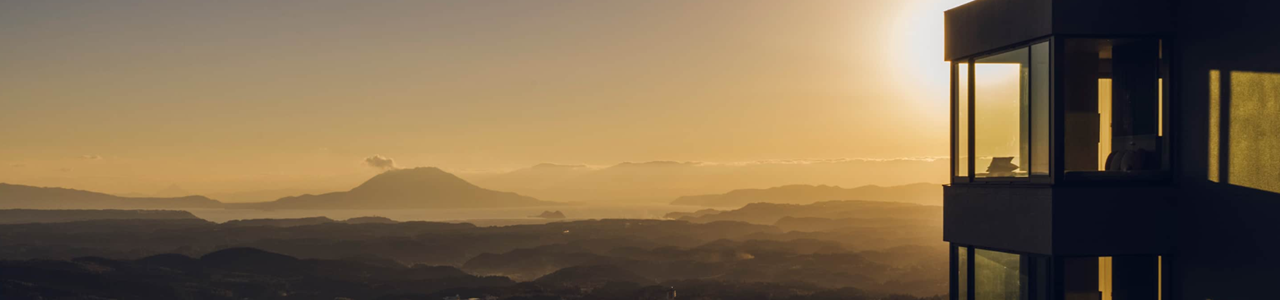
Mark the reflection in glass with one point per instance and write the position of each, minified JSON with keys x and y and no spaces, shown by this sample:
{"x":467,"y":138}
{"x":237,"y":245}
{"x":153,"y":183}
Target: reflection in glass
{"x":1002,"y":114}
{"x":997,"y":275}
{"x":1215,"y":112}
{"x":1112,"y":94}
{"x":1113,"y":277}
{"x":1104,"y":277}
{"x":1040,"y":109}
{"x":962,"y":272}
{"x":962,"y":120}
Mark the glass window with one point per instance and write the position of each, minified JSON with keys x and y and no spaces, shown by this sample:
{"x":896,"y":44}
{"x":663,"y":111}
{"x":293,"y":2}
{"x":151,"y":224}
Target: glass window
{"x":1112,"y":89}
{"x":962,"y":273}
{"x":998,"y":276}
{"x":1002,"y":114}
{"x":962,"y":120}
{"x":993,"y":275}
{"x":1006,"y":99}
{"x":1040,"y":109}
{"x":1107,"y":278}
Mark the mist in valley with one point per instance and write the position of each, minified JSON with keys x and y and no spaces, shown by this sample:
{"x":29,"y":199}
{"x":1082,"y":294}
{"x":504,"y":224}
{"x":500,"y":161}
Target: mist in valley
{"x":449,"y":150}
{"x":423,"y":233}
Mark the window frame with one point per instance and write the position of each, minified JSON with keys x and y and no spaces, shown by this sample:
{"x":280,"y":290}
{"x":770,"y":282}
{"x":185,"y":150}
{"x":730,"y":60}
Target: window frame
{"x":1171,"y":167}
{"x":1053,"y":139}
{"x":1033,"y":263}
{"x":1057,"y":174}
{"x":1044,"y":272}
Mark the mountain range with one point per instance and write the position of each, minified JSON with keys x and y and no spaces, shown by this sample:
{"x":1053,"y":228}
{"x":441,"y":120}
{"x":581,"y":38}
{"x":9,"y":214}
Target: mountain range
{"x":661,"y":181}
{"x":919,"y":193}
{"x":771,"y":213}
{"x":21,"y":196}
{"x":649,"y":182}
{"x":395,"y":189}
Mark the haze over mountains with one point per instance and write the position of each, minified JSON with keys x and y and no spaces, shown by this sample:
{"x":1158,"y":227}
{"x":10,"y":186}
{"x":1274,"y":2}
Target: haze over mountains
{"x":867,"y":248}
{"x":662,"y":181}
{"x":21,"y":196}
{"x":688,"y":183}
{"x":401,"y":188}
{"x":920,"y":193}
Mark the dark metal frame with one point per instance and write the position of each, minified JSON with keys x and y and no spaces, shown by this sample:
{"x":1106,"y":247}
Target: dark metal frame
{"x":969,"y":143}
{"x":1171,"y":167}
{"x":1052,"y":281}
{"x":1056,"y":114}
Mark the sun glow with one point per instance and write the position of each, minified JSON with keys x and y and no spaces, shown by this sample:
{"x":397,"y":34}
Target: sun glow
{"x":917,"y":40}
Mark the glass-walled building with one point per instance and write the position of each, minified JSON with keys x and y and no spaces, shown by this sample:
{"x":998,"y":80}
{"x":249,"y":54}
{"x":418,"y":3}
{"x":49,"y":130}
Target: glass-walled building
{"x":1098,"y":152}
{"x":1112,"y":112}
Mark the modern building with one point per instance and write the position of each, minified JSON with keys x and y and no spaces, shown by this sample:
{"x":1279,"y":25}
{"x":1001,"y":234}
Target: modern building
{"x":1114,"y":149}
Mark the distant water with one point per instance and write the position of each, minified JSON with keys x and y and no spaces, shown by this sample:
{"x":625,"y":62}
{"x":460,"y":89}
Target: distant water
{"x":480,"y":216}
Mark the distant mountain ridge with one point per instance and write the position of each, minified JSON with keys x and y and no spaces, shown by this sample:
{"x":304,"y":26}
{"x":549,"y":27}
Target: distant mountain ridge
{"x":426,"y":187}
{"x":22,"y":196}
{"x":661,"y":181}
{"x":771,"y":213}
{"x":919,"y":193}
{"x":20,"y":216}
{"x":396,"y":189}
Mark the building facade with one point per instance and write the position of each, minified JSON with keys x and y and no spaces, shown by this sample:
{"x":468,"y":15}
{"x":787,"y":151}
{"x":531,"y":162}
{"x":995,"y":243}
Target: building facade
{"x":1114,"y":149}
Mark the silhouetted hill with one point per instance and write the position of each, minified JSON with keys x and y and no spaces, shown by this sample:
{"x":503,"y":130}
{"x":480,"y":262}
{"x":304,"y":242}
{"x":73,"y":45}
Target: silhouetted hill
{"x":921,"y":193}
{"x":227,"y":275}
{"x":331,"y":258}
{"x":235,"y":273}
{"x":279,"y":222}
{"x":21,"y":196}
{"x":550,"y":215}
{"x":592,"y":276}
{"x":18,"y":216}
{"x":370,"y":220}
{"x":255,"y":260}
{"x":172,"y":261}
{"x":407,"y":188}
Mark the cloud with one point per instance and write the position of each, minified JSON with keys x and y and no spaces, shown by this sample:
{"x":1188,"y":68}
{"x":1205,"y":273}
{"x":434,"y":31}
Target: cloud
{"x":65,"y":169}
{"x":377,"y":161}
{"x":91,"y":157}
{"x":18,"y":165}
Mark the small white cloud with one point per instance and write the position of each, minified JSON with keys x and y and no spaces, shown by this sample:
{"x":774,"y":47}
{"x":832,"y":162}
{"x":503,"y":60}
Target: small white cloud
{"x":91,"y":157}
{"x":380,"y":162}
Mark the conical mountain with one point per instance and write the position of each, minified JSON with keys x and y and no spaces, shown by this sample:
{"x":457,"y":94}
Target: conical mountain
{"x":409,"y":188}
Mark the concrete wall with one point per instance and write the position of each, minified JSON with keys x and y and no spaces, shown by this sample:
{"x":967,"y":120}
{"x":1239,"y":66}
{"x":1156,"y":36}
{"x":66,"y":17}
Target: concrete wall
{"x":1112,"y":221}
{"x":986,"y":25}
{"x":1017,"y":219}
{"x":1112,"y":17}
{"x":1067,"y":221}
{"x":1229,"y":215}
{"x":989,"y":24}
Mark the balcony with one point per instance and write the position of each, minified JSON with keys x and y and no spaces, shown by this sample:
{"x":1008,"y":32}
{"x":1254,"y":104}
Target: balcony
{"x":1063,"y":221}
{"x":1060,"y":128}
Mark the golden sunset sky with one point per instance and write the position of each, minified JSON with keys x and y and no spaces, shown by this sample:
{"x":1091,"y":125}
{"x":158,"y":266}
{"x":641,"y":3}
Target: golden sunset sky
{"x":135,"y":95}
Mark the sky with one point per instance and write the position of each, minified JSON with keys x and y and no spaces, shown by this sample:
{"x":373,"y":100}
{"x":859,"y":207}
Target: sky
{"x":137,"y":95}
